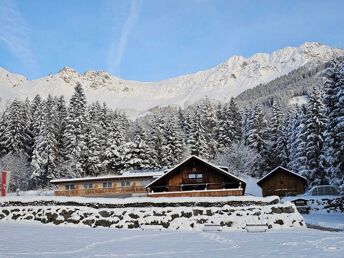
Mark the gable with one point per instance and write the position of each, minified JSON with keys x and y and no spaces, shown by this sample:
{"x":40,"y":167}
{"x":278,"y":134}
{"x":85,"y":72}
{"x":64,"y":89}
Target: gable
{"x":281,"y":172}
{"x":194,"y":165}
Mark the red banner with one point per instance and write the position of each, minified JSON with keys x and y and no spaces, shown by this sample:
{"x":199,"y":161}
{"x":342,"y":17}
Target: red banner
{"x":3,"y":183}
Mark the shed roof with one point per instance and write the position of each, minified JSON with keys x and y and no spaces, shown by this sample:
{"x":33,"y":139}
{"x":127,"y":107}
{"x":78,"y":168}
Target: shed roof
{"x":285,"y":170}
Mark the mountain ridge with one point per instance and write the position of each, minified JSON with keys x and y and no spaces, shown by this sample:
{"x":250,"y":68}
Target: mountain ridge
{"x":221,"y":82}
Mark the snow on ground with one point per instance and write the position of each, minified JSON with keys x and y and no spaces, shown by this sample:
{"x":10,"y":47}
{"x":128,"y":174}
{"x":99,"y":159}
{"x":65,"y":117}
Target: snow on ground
{"x":28,"y":240}
{"x":251,"y":186}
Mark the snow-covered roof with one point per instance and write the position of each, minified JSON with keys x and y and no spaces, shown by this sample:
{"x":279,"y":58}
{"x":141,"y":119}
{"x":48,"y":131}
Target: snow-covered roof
{"x":210,"y":164}
{"x":139,"y":172}
{"x":280,"y":167}
{"x":126,"y":174}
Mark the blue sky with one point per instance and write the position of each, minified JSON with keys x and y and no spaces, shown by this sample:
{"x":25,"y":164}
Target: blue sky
{"x":151,"y":40}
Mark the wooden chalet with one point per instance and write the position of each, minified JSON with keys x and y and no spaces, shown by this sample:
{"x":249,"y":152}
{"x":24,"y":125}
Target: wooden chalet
{"x":282,"y":182}
{"x":196,"y":177}
{"x":130,"y":183}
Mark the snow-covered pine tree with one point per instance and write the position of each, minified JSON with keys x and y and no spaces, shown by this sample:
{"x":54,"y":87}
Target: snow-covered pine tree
{"x":92,"y":163}
{"x":299,"y":156}
{"x":197,"y":142}
{"x":45,"y":152}
{"x":282,"y":146}
{"x":75,"y":133}
{"x":112,"y":162}
{"x":315,"y":127}
{"x":16,"y":136}
{"x":334,"y":108}
{"x":156,"y":139}
{"x":209,"y":121}
{"x":174,"y":147}
{"x":258,"y":131}
{"x":258,"y":138}
{"x":276,"y":154}
{"x":246,"y":123}
{"x":3,"y":126}
{"x":137,"y":154}
{"x":229,"y":125}
{"x":295,"y":119}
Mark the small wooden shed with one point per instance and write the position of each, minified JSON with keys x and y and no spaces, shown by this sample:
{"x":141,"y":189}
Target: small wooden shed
{"x":282,"y":182}
{"x":196,"y":177}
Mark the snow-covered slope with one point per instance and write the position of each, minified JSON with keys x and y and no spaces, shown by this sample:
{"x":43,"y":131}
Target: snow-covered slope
{"x":220,"y":83}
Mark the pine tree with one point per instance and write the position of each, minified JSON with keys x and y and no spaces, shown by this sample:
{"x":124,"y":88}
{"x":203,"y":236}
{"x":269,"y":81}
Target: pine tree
{"x":76,"y":130}
{"x":197,"y":142}
{"x":229,"y":125}
{"x":62,"y":114}
{"x":16,"y":137}
{"x":315,"y":125}
{"x":45,"y":152}
{"x":137,"y":154}
{"x":299,"y":156}
{"x":157,"y":140}
{"x":334,"y":108}
{"x":173,"y":147}
{"x":276,"y":155}
{"x":112,"y":158}
{"x":257,"y":134}
{"x":209,"y":121}
{"x":93,"y":164}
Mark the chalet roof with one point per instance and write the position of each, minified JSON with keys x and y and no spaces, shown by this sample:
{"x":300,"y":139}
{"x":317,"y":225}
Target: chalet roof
{"x":126,"y":174}
{"x":219,"y":169}
{"x":284,"y":169}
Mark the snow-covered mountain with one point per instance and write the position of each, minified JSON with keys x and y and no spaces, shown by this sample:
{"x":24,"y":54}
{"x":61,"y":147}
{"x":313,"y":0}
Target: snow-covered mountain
{"x":220,"y":82}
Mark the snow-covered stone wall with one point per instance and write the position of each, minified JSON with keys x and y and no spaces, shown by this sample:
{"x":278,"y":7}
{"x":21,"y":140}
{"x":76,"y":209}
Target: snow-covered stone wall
{"x":232,"y":214}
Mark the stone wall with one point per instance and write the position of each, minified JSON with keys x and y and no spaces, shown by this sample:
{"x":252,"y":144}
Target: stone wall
{"x":172,"y":216}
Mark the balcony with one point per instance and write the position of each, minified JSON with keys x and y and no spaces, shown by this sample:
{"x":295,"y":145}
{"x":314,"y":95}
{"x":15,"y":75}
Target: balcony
{"x":101,"y":191}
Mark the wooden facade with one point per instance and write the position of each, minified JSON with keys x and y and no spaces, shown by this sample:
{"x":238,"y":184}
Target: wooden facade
{"x":196,"y":177}
{"x":282,"y":182}
{"x":106,"y":186}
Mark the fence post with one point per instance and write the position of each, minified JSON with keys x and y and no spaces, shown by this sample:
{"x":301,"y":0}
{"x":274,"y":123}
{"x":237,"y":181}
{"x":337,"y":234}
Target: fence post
{"x":3,"y":183}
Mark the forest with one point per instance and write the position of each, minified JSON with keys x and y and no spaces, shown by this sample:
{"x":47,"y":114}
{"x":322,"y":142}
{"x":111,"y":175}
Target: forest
{"x":49,"y":138}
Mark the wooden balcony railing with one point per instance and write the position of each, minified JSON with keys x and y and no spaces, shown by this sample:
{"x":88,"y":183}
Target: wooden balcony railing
{"x":196,"y":186}
{"x":101,"y":191}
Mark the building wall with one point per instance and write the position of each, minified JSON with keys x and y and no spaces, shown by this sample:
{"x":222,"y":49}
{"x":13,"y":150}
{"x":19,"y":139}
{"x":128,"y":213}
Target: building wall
{"x":282,"y":183}
{"x":136,"y":186}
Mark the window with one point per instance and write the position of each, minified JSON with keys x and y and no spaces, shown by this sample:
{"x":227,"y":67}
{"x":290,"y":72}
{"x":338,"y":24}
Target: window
{"x":88,"y":185}
{"x":70,"y":187}
{"x":198,"y":177}
{"x":125,"y":183}
{"x":107,"y":184}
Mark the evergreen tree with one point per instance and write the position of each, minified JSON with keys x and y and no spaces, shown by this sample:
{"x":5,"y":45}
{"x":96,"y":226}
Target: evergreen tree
{"x":315,"y":125}
{"x":76,"y":130}
{"x":197,"y":142}
{"x":173,"y":147}
{"x":137,"y":154}
{"x":112,"y":158}
{"x":45,"y":152}
{"x":16,"y":137}
{"x":334,"y":108}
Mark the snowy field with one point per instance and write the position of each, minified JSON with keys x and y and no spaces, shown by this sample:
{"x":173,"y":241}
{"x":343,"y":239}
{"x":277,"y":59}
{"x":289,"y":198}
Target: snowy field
{"x":32,"y":240}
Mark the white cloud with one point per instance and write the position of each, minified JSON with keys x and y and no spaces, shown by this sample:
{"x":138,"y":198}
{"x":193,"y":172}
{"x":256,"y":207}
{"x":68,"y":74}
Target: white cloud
{"x":117,"y":48}
{"x":15,"y":35}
